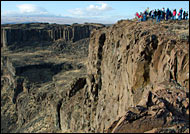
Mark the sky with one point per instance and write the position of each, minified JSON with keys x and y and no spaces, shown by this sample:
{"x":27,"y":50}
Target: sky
{"x":79,"y":11}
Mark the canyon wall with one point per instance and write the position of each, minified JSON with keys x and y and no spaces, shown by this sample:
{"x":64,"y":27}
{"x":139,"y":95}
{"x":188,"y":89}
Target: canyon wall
{"x":21,"y":33}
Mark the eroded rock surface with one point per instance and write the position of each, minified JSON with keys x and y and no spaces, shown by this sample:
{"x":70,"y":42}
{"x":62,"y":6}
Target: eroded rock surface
{"x":163,"y":109}
{"x":33,"y":88}
{"x":130,"y":58}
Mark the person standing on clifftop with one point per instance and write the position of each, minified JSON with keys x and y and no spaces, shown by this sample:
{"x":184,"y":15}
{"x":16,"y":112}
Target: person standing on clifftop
{"x":174,"y":14}
{"x":145,"y":15}
{"x":147,"y":10}
{"x":138,"y":16}
{"x":180,"y":14}
{"x":167,"y":13}
{"x":184,"y":14}
{"x":152,"y":14}
{"x":141,"y":16}
{"x":155,"y":13}
{"x":171,"y":15}
{"x":162,"y":14}
{"x":158,"y":16}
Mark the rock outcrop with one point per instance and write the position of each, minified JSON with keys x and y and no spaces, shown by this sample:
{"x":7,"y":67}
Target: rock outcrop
{"x":135,"y":79}
{"x":164,"y":109}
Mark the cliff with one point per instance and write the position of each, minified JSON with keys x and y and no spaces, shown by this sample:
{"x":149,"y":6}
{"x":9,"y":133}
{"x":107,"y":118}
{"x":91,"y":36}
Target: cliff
{"x":130,"y":59}
{"x":129,"y":77}
{"x":38,"y":32}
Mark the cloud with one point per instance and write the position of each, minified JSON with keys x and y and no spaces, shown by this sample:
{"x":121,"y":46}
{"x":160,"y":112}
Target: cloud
{"x":26,"y":9}
{"x":102,"y":7}
{"x":91,"y":10}
{"x":77,"y":11}
{"x":33,"y":13}
{"x":4,"y":13}
{"x":31,"y":9}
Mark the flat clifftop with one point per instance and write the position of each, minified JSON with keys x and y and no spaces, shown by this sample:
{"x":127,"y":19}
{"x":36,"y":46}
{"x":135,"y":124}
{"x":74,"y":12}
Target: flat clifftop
{"x":45,"y":25}
{"x":128,"y":77}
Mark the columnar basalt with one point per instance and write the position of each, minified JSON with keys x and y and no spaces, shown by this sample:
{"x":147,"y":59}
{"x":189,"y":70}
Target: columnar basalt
{"x":20,"y":33}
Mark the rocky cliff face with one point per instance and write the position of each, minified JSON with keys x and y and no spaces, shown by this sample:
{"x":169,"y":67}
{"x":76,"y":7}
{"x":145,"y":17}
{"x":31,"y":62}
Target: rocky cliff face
{"x":131,"y":58}
{"x":135,"y":79}
{"x":21,"y":33}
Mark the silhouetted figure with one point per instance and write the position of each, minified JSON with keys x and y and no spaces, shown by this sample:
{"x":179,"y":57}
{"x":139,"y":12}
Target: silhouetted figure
{"x":145,"y":15}
{"x":162,"y":14}
{"x":158,"y":16}
{"x":150,"y":14}
{"x":180,"y":14}
{"x":184,"y":14}
{"x":167,"y":13}
{"x":155,"y":13}
{"x":170,"y":15}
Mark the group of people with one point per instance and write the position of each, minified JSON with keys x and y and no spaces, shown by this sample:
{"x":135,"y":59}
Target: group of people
{"x":162,"y":14}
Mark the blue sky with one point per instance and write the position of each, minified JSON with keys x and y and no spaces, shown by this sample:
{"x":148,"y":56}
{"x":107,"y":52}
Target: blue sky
{"x":100,"y":11}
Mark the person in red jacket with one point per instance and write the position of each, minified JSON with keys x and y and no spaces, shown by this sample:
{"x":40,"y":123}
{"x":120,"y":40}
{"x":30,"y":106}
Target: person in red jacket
{"x":138,"y":16}
{"x":174,"y":14}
